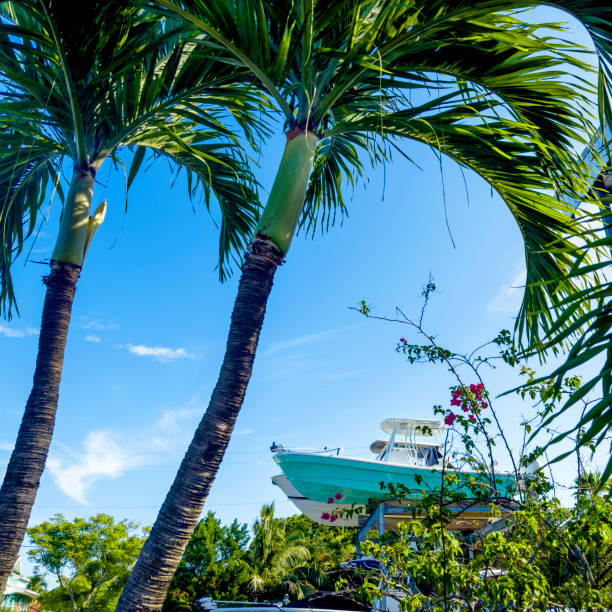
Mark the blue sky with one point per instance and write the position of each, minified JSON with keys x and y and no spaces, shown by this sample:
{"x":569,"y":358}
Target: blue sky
{"x":150,"y":321}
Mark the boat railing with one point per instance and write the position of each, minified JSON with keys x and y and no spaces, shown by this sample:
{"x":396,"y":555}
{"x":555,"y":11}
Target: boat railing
{"x":209,"y":604}
{"x":282,"y":450}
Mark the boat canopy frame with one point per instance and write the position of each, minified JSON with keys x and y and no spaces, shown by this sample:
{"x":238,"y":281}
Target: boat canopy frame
{"x":412,"y":429}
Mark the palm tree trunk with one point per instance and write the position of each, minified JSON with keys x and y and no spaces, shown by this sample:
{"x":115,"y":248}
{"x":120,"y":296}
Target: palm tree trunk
{"x":28,"y":458}
{"x":147,"y":586}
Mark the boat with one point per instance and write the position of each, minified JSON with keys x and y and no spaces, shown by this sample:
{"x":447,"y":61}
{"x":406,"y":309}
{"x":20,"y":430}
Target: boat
{"x":410,"y":457}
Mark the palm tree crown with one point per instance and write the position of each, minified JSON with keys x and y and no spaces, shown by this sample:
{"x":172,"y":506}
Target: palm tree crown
{"x":80,"y":87}
{"x":468,"y":79}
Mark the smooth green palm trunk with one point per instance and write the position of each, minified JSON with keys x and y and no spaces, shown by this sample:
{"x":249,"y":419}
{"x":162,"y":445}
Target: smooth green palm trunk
{"x":72,"y":236}
{"x":148,"y":584}
{"x":286,"y":201}
{"x":29,"y":456}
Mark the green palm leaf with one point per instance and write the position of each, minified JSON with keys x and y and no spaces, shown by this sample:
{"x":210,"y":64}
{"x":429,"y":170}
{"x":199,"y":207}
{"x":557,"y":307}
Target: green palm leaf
{"x":594,"y":343}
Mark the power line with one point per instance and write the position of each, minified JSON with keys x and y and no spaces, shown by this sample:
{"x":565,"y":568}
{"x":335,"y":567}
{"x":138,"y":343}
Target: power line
{"x":282,"y":501}
{"x":155,"y":453}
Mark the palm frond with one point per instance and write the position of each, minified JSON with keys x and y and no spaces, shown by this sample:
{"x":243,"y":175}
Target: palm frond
{"x":212,"y":168}
{"x":594,"y":344}
{"x":28,"y":165}
{"x":337,"y":167}
{"x":368,"y":68}
{"x":499,"y":151}
{"x":596,"y":17}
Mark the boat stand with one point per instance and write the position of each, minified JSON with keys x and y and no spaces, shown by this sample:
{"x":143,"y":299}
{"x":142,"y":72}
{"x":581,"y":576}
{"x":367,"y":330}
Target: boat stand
{"x":472,"y":520}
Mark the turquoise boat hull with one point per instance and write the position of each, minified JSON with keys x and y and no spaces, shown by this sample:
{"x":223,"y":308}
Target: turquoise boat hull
{"x":319,"y":477}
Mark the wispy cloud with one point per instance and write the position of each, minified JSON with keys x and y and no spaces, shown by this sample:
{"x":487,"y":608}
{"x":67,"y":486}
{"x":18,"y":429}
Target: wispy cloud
{"x":95,"y":324}
{"x":110,"y":454}
{"x":6,"y":446}
{"x":508,"y":298}
{"x":300,"y":340}
{"x":243,"y":432}
{"x":342,"y":375}
{"x":171,"y":422}
{"x":103,"y":457}
{"x":163,"y":354}
{"x":159,"y":353}
{"x":12,"y":332}
{"x":289,"y":366}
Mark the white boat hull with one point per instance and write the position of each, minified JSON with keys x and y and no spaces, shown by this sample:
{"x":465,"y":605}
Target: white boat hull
{"x":312,"y":509}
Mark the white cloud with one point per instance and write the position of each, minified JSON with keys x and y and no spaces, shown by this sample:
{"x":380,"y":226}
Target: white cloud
{"x":508,"y":298}
{"x":159,"y":353}
{"x":110,"y":454}
{"x":281,"y":346}
{"x":92,"y":338}
{"x":243,"y":432}
{"x":104,"y":457}
{"x":94,"y":324}
{"x":6,"y":446}
{"x":172,"y":421}
{"x":342,"y":375}
{"x":174,"y":429}
{"x":11,"y":332}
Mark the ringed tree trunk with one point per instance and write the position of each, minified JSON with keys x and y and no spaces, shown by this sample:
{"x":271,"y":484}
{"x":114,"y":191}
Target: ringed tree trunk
{"x":148,"y":583}
{"x":29,"y":456}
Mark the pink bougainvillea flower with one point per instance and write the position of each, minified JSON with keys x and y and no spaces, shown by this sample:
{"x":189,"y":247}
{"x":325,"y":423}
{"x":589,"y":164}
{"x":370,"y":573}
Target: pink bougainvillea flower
{"x":332,"y":518}
{"x":473,"y":388}
{"x":464,"y":408}
{"x":330,"y":500}
{"x":338,"y":496}
{"x":449,"y":419}
{"x":325,"y":516}
{"x":457,"y":394}
{"x":472,"y":417}
{"x":455,"y":402}
{"x":480,"y":387}
{"x":403,"y":340}
{"x":484,"y":405}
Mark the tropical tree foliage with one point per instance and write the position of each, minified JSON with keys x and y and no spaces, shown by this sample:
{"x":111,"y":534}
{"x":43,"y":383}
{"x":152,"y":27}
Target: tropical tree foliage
{"x":77,"y":86}
{"x":293,"y":556}
{"x":545,"y":556}
{"x":352,"y":82}
{"x":90,"y":559}
{"x":214,"y":565}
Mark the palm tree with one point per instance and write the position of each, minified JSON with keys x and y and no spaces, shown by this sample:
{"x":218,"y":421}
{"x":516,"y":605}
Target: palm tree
{"x":351,"y":80}
{"x":276,"y":556}
{"x":77,"y":86}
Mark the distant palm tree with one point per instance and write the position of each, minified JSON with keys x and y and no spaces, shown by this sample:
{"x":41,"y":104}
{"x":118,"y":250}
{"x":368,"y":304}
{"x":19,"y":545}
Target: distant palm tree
{"x":352,"y":80}
{"x":37,"y":583}
{"x":78,"y":84}
{"x":276,"y":556}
